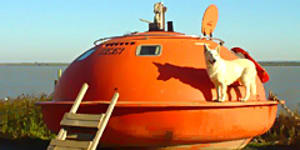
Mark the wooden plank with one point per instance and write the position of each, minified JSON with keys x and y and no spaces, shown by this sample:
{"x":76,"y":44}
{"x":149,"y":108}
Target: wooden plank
{"x":91,"y":117}
{"x":80,"y":123}
{"x":63,"y":148}
{"x":84,"y":120}
{"x":70,"y":144}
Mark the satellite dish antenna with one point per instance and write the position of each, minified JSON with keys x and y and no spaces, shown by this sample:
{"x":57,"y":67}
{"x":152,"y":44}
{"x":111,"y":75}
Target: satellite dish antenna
{"x":209,"y":20}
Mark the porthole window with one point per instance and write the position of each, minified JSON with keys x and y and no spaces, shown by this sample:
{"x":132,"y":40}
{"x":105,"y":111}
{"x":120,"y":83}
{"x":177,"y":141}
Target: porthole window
{"x":86,"y":54}
{"x":148,"y":50}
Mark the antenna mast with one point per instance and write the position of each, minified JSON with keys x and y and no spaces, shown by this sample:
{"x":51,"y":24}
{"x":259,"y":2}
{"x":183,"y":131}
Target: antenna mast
{"x":159,"y":18}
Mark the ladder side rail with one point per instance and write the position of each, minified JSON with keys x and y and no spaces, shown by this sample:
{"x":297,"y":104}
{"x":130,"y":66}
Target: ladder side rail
{"x":105,"y":121}
{"x":79,"y":98}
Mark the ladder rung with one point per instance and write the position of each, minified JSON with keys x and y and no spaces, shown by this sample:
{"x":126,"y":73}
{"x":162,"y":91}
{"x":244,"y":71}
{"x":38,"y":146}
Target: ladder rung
{"x":80,"y":123}
{"x":77,"y":121}
{"x":69,"y":144}
{"x":73,"y":116}
{"x":62,"y":148}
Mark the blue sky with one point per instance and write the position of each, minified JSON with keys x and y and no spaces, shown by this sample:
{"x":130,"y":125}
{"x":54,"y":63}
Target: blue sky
{"x":59,"y":31}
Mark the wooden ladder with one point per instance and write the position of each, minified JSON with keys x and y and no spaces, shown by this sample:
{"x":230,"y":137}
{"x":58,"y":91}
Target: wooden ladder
{"x":82,"y":131}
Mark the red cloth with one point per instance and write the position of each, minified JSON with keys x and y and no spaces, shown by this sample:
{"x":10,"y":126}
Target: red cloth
{"x":261,"y":72}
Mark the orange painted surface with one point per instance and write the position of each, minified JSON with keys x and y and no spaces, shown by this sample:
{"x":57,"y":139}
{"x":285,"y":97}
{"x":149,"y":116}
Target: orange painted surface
{"x":164,"y":100}
{"x":209,"y":20}
{"x":178,"y":74}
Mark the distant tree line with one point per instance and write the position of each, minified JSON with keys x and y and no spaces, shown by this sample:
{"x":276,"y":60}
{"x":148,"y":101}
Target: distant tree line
{"x":279,"y":63}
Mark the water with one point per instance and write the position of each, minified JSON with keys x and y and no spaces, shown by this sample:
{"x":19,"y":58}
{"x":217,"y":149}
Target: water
{"x":285,"y":82}
{"x":16,"y":80}
{"x":32,"y":80}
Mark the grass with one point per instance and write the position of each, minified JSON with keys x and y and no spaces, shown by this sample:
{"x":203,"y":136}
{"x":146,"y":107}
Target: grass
{"x":21,"y":118}
{"x":285,"y":131}
{"x":284,"y":135}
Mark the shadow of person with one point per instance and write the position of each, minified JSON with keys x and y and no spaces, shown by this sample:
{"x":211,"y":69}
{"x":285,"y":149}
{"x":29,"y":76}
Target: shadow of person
{"x":196,"y":78}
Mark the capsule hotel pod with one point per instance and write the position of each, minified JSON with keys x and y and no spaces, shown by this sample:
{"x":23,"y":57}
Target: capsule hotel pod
{"x":166,"y":96}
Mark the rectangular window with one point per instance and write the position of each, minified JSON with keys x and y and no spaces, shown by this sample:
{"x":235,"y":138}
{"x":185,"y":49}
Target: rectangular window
{"x":148,"y":50}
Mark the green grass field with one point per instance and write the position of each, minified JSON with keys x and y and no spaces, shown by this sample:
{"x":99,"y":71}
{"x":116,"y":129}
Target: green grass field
{"x":21,"y":118}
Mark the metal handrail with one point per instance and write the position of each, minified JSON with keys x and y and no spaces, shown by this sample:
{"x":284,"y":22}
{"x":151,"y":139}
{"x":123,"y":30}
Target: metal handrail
{"x":138,"y":35}
{"x":106,"y":38}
